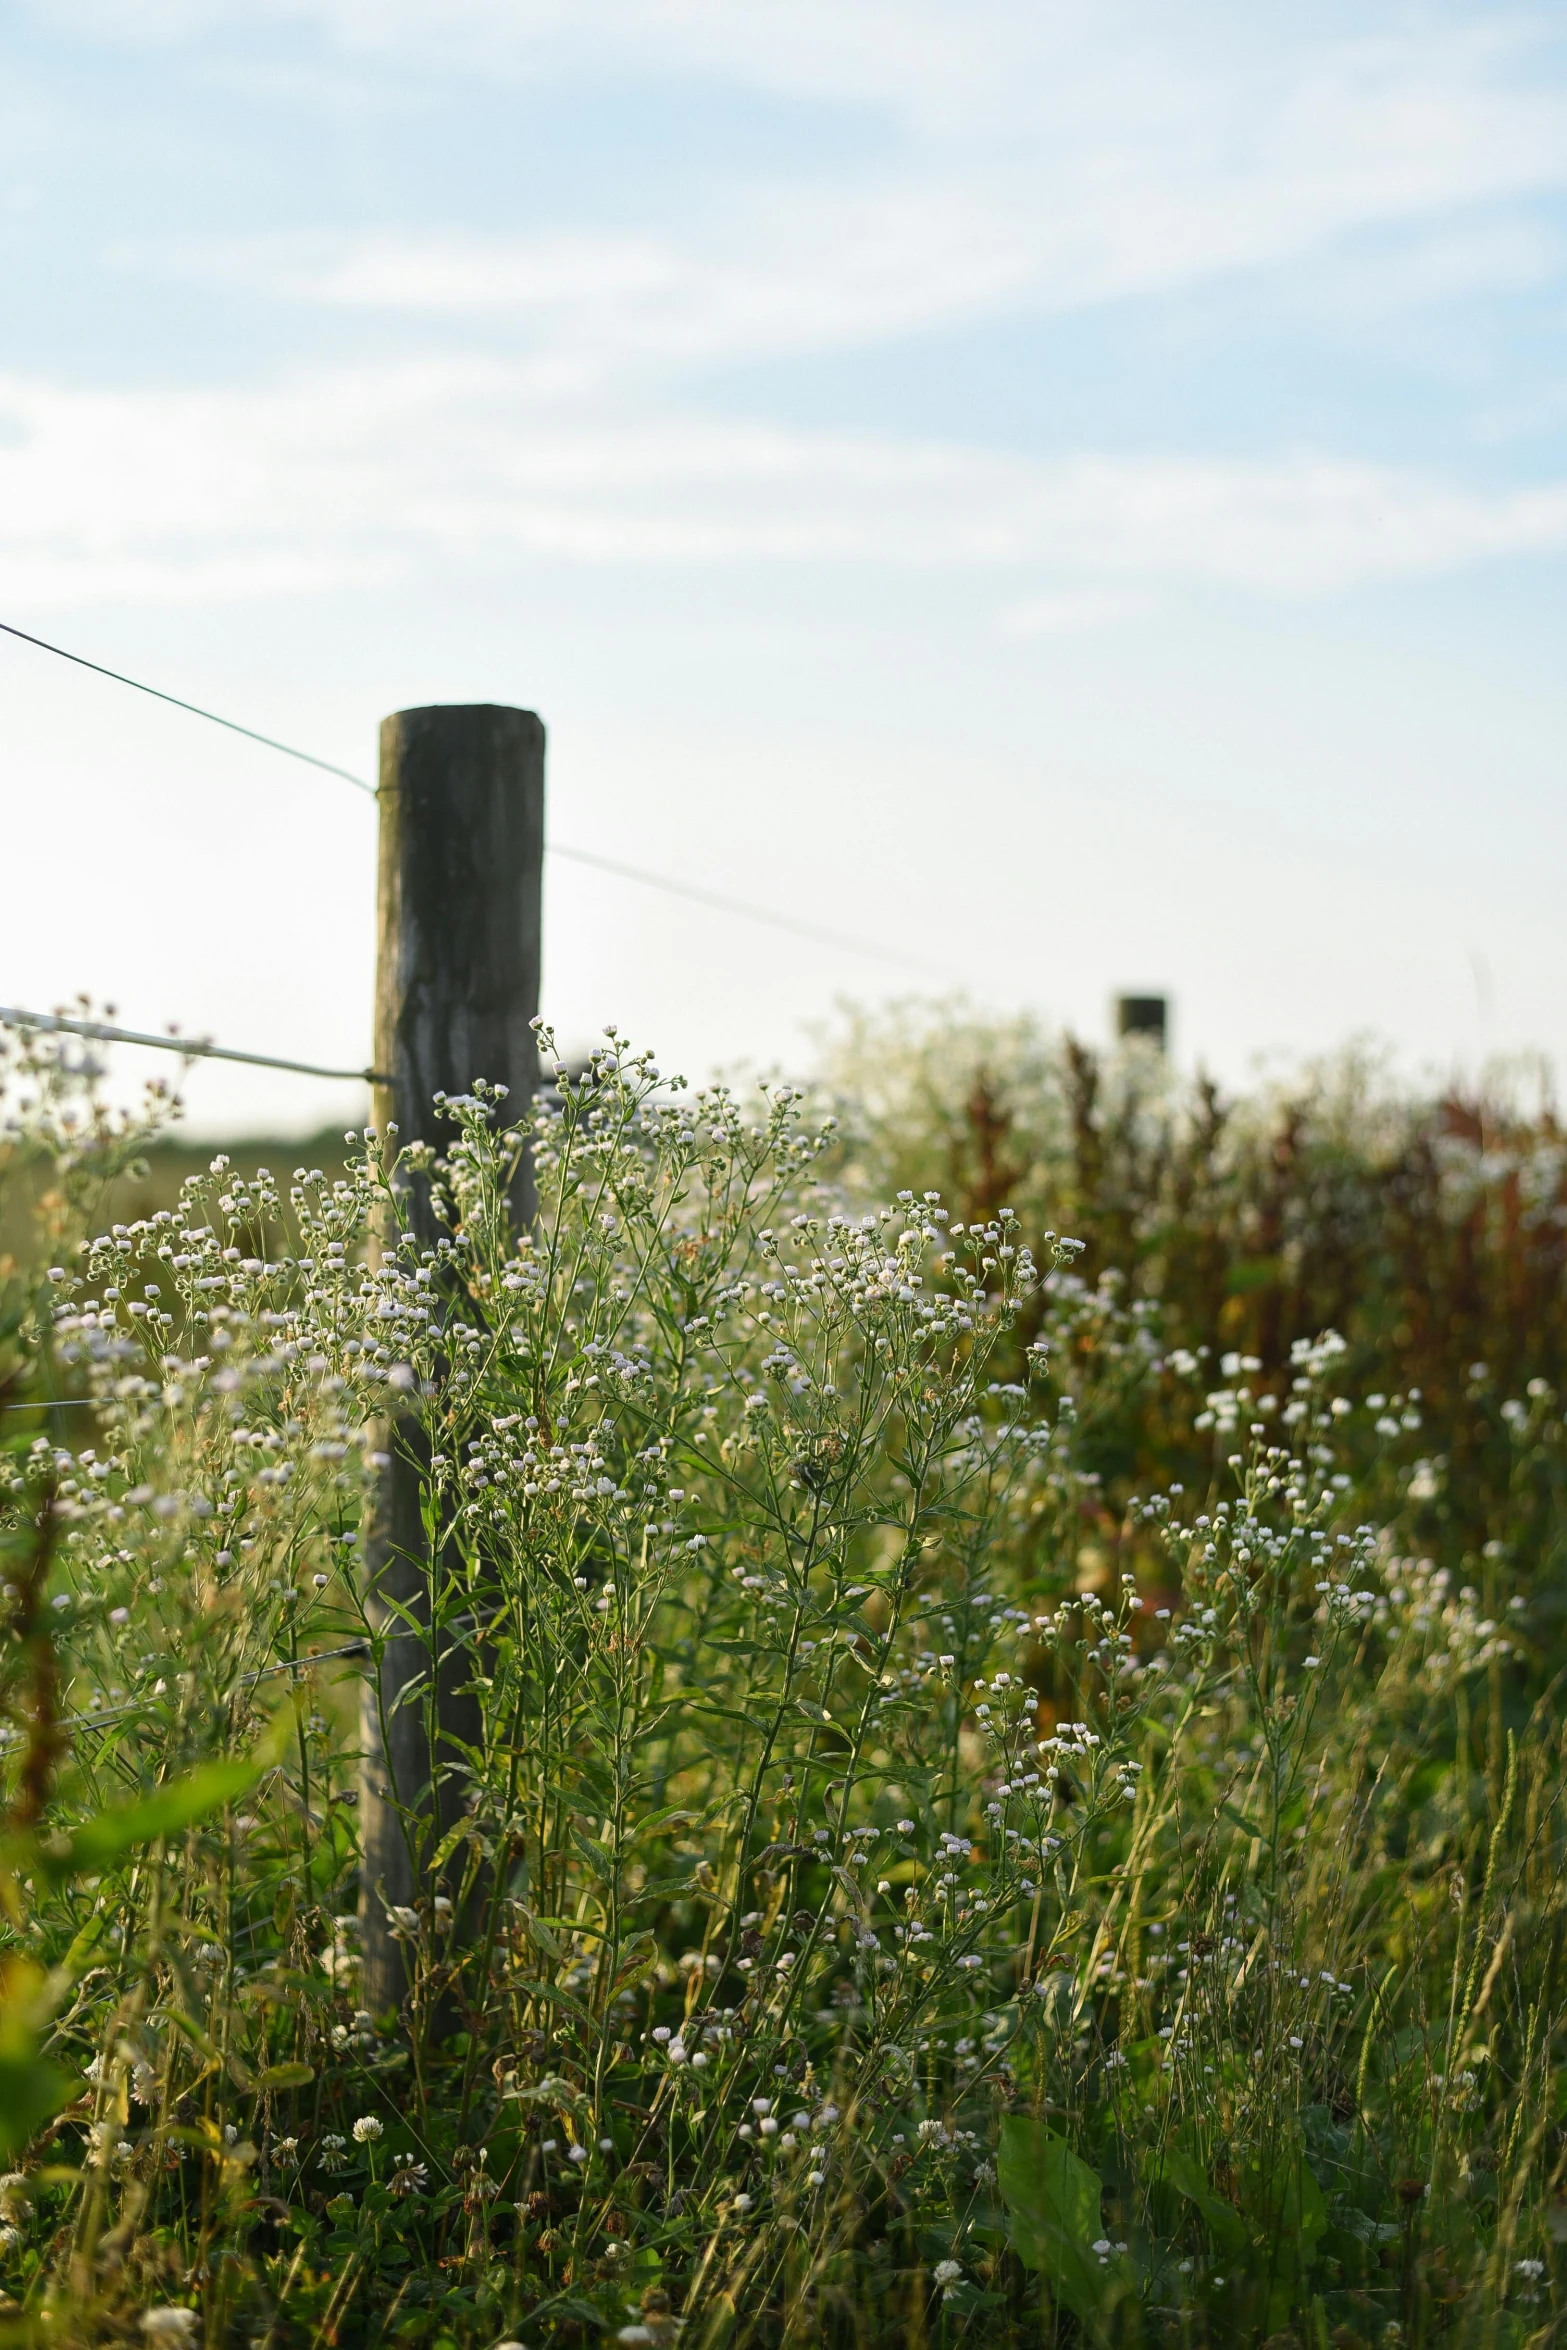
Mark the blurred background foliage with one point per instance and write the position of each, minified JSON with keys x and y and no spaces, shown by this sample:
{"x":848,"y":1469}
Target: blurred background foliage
{"x":1427,"y":1227}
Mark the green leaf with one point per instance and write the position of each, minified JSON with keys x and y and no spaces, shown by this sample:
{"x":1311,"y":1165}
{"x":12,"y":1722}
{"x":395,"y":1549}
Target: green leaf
{"x":659,"y":1823}
{"x":454,"y":1836}
{"x":1053,"y":2218}
{"x":635,"y":1959}
{"x":738,"y":1715}
{"x":1181,"y":2170}
{"x":1287,"y":2207}
{"x":108,"y":1834}
{"x":32,"y":2090}
{"x":1282,"y":2209}
{"x":556,"y":1997}
{"x":598,"y":1856}
{"x":286,"y":2076}
{"x":540,"y":1936}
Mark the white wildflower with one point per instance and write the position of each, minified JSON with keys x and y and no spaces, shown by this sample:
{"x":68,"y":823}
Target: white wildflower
{"x":169,"y":2324}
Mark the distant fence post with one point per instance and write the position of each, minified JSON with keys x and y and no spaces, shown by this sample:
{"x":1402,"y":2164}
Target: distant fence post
{"x":457,"y":984}
{"x":1144,"y":1015}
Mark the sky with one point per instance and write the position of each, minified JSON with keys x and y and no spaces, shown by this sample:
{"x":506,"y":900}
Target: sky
{"x":1074,"y":494}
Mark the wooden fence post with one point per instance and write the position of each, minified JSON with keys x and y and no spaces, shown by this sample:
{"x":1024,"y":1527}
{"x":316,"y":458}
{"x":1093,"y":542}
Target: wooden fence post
{"x":457,"y":984}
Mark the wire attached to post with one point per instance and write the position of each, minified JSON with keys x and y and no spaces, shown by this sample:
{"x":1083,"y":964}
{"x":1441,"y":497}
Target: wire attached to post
{"x":844,"y":941}
{"x":268,"y":742}
{"x":190,"y":1050}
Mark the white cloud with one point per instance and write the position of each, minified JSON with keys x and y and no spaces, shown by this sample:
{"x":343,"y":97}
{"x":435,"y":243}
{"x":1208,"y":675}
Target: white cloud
{"x":332,"y":477}
{"x":913,"y":57}
{"x":1048,"y":158}
{"x":1073,"y":611}
{"x":1398,"y":93}
{"x":794,"y":271}
{"x":1043,"y":157}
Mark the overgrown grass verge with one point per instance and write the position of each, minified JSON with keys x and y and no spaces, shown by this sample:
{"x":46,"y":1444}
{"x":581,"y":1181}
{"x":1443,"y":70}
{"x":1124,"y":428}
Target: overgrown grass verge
{"x":876,"y":1892}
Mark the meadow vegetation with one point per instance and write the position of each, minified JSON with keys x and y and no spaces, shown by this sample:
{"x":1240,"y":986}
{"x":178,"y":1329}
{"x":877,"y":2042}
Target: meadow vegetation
{"x":1006,"y":1780}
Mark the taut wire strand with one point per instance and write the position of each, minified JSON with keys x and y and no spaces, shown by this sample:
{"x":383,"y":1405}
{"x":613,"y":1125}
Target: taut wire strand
{"x":269,"y":742}
{"x":844,"y":940}
{"x":102,"y":1032}
{"x":816,"y":931}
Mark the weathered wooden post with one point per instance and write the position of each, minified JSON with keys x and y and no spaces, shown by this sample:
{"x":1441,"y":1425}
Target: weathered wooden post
{"x":457,"y":985}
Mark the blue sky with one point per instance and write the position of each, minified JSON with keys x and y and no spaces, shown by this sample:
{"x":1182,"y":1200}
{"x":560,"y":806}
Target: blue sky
{"x":1081,"y":491}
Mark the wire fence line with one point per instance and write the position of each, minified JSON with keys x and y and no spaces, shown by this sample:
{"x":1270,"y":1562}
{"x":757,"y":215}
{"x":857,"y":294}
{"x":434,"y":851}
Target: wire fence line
{"x":268,"y":742}
{"x":817,"y":932}
{"x":189,"y":1048}
{"x":718,"y":900}
{"x":357,"y":1650}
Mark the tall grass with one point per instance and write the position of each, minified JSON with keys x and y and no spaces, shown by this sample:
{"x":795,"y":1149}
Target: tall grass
{"x":907,"y":1878}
